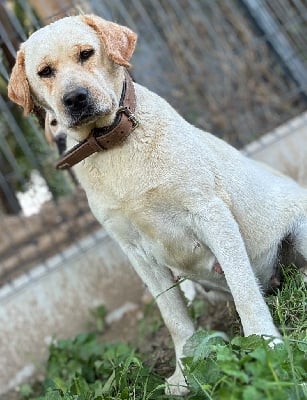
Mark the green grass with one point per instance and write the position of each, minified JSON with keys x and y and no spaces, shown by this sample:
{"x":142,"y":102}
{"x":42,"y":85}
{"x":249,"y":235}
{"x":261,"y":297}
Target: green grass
{"x":83,"y":368}
{"x":289,"y":306}
{"x":248,"y":368}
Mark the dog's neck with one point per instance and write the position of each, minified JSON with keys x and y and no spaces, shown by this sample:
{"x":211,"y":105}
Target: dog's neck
{"x":104,"y":138}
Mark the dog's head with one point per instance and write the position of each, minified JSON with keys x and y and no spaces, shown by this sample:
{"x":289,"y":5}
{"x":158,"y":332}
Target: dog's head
{"x":72,"y":68}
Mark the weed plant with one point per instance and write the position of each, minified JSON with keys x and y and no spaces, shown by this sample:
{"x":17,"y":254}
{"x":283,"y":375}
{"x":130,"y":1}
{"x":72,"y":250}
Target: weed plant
{"x":216,"y":368}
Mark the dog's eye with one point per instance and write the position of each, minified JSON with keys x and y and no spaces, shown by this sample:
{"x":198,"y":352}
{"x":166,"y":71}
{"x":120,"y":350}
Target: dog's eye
{"x":53,"y":122}
{"x":46,"y":72}
{"x":86,"y":54}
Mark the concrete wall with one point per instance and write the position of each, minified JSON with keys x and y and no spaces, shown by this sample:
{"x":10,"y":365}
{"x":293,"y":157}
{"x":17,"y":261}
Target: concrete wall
{"x":285,"y":149}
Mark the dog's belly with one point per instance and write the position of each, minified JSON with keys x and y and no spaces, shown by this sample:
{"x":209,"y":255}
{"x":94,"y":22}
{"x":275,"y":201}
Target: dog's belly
{"x":183,"y":253}
{"x":167,"y":241}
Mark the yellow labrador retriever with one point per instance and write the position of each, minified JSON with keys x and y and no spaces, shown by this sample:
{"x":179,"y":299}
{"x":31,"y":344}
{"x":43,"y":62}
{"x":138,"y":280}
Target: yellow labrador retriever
{"x":178,"y":200}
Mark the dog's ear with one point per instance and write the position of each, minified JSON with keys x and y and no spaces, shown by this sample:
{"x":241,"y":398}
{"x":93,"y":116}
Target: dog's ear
{"x":18,"y":87}
{"x":118,"y":40}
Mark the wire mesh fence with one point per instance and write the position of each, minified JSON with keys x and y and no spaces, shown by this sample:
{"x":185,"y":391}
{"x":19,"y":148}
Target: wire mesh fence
{"x":219,"y":63}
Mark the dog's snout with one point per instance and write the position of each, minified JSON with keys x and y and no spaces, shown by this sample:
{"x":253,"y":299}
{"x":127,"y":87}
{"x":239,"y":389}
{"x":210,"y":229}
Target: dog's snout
{"x":76,"y":99}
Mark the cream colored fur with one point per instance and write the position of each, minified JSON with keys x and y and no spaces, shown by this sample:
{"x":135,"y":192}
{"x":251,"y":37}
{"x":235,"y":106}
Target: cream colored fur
{"x":175,"y":198}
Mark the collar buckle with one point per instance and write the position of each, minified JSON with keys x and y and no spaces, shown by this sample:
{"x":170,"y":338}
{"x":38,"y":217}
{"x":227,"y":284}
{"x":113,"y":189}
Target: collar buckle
{"x":130,"y":115}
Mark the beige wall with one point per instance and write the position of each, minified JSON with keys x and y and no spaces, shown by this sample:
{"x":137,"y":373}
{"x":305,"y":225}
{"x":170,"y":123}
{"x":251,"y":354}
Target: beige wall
{"x":284,"y":149}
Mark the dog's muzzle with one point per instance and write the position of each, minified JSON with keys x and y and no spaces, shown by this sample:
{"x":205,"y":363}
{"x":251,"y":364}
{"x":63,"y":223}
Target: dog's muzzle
{"x":79,"y":106}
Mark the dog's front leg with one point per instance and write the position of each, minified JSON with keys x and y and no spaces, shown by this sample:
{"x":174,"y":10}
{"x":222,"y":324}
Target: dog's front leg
{"x":217,"y":227}
{"x":169,"y":298}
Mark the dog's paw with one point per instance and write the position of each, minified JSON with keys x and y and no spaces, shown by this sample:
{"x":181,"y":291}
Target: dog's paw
{"x":273,"y":341}
{"x":176,"y":385}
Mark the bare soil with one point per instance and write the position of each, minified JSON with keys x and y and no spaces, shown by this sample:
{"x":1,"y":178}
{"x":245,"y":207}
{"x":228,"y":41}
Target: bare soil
{"x":144,"y":329}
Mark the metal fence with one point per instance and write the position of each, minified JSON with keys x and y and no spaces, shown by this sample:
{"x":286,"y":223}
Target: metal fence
{"x":235,"y":67}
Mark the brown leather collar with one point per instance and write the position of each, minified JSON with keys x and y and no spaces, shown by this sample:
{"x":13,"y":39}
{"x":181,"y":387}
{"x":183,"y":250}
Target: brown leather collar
{"x":108,"y":136}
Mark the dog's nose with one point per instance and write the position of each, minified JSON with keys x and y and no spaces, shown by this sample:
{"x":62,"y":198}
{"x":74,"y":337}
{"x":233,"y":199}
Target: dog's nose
{"x":77,"y":99}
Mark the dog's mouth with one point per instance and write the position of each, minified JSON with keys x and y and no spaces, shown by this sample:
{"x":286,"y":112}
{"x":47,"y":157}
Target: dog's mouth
{"x":86,"y":117}
{"x":83,"y":119}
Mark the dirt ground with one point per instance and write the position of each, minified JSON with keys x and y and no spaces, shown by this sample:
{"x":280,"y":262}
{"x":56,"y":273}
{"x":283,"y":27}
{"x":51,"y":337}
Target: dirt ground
{"x":144,"y":329}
